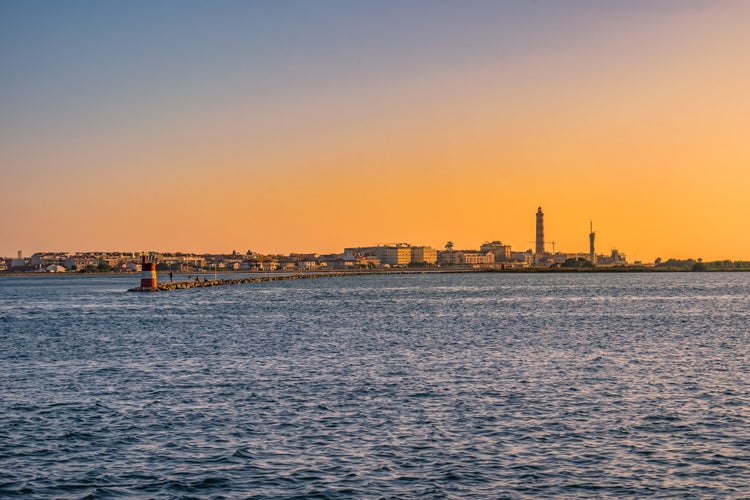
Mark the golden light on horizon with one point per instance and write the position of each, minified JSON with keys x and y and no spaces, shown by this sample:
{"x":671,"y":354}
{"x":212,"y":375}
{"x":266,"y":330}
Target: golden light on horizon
{"x":638,"y":122}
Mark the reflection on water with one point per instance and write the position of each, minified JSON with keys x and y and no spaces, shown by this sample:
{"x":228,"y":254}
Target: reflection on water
{"x":460,"y":385}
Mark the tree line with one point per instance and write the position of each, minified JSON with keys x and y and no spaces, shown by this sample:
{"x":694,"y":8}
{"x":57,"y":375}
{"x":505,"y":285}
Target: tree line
{"x":700,"y":265}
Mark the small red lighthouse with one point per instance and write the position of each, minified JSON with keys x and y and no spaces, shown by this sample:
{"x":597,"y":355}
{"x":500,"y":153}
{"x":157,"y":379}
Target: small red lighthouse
{"x":148,"y":274}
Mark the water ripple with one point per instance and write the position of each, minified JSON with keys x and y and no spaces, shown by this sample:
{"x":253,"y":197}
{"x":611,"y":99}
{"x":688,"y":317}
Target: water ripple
{"x":428,"y":386}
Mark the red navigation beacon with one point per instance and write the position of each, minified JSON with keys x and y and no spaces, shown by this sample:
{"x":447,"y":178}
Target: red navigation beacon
{"x":148,"y":273}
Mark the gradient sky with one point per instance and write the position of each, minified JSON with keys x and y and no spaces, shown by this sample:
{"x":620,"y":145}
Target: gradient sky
{"x":280,"y":126}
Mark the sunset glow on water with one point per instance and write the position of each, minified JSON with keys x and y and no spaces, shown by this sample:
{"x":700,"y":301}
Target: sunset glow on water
{"x":409,"y":386}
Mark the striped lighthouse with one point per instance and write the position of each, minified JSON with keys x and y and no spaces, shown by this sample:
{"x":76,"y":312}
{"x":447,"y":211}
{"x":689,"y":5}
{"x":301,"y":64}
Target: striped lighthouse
{"x":148,"y":274}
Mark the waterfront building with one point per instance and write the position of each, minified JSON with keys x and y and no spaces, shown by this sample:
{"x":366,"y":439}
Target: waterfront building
{"x":561,"y":257}
{"x":451,"y":257}
{"x":307,"y":264}
{"x":185,"y":261}
{"x":287,"y":263}
{"x":426,"y":255}
{"x":391,"y":255}
{"x":303,"y":256}
{"x":112,"y":259}
{"x":394,"y":255}
{"x":269,"y":265}
{"x":132,"y":267}
{"x":363,"y":259}
{"x":465,"y":257}
{"x":52,"y":268}
{"x":592,"y":236}
{"x":336,"y":261}
{"x":45,"y":259}
{"x":259,"y":264}
{"x":19,"y":265}
{"x":478,"y":258}
{"x":250,"y":265}
{"x":615,"y":258}
{"x":526,"y":257}
{"x":501,"y":252}
{"x":80,"y":261}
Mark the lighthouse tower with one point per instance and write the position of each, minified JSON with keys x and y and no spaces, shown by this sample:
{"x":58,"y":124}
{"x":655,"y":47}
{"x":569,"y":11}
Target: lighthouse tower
{"x":592,"y":235}
{"x":539,"y":232}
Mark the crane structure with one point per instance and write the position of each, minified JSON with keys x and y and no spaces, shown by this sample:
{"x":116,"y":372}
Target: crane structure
{"x":553,"y":243}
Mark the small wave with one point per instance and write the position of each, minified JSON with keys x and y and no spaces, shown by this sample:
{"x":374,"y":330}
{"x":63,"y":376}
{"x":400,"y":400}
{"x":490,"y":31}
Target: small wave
{"x":243,"y":453}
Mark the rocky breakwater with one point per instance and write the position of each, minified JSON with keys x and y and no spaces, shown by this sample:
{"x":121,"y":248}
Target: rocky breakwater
{"x":183,"y":285}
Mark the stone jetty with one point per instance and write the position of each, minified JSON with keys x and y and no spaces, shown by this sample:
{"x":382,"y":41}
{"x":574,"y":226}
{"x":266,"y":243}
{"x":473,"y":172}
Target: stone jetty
{"x":197,"y":283}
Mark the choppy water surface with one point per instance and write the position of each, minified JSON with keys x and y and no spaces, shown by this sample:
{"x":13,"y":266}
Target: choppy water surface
{"x":462,"y":385}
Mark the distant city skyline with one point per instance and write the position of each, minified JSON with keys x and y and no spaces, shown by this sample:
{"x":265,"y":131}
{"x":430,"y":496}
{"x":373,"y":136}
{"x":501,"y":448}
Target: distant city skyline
{"x":311,"y":126}
{"x":539,"y":249}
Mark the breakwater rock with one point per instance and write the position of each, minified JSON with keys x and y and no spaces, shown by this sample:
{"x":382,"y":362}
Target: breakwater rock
{"x":183,"y":285}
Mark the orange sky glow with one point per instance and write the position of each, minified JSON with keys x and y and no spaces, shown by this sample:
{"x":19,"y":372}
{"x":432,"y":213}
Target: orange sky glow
{"x":637,"y":119}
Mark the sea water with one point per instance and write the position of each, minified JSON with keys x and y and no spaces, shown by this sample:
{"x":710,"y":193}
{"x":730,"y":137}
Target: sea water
{"x":481,"y":385}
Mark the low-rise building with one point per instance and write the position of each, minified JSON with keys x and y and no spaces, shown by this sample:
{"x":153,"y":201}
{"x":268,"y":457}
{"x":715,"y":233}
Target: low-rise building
{"x":258,"y":264}
{"x":44,"y":259}
{"x":336,"y":261}
{"x":307,"y":265}
{"x":303,"y":256}
{"x":287,"y":263}
{"x":451,"y":257}
{"x":112,"y":259}
{"x":132,"y":267}
{"x":465,"y":257}
{"x":423,"y":255}
{"x":53,"y":268}
{"x":399,"y":254}
{"x":80,"y":261}
{"x":526,"y":257}
{"x":478,"y":258}
{"x":185,"y":261}
{"x":501,"y":252}
{"x":362,"y":259}
{"x":615,"y":258}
